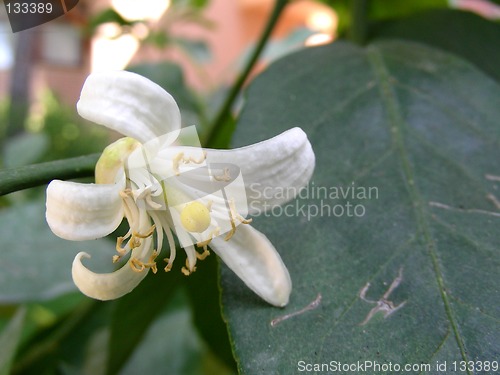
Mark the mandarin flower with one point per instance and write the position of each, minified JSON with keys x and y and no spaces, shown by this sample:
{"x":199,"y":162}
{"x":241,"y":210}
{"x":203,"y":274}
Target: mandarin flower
{"x":163,"y":188}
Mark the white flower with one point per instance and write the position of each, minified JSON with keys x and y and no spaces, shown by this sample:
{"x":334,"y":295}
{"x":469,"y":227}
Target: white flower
{"x":161,"y":188}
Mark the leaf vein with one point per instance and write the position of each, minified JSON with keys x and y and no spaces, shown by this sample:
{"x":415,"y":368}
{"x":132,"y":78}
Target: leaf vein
{"x":396,"y":122}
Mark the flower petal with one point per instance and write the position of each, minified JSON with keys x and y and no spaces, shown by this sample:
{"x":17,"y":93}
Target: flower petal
{"x":105,"y":286}
{"x":274,"y":170}
{"x":255,"y":260}
{"x":130,"y":104}
{"x":83,"y":211}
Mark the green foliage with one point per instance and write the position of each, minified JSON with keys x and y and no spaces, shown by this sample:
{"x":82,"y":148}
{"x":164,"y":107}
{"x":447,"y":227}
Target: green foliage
{"x":34,"y":263}
{"x":381,"y":9}
{"x":421,"y":127}
{"x":130,"y":319}
{"x":4,"y":110}
{"x":9,"y":339}
{"x":68,"y":133}
{"x":197,"y":4}
{"x":390,"y":9}
{"x":450,"y":30}
{"x":73,"y":332}
{"x":108,"y":15}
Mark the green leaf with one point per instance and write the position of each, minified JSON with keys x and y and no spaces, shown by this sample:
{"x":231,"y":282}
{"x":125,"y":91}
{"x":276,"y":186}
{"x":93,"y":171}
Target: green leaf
{"x":395,"y":8}
{"x":204,"y":294}
{"x":108,"y":15}
{"x":172,"y":346}
{"x":136,"y":315}
{"x":381,"y":10}
{"x":135,"y":312}
{"x":159,"y":39}
{"x":61,"y":339}
{"x":420,"y":128}
{"x":451,"y":31}
{"x":197,"y":4}
{"x":9,"y":339}
{"x":34,"y":263}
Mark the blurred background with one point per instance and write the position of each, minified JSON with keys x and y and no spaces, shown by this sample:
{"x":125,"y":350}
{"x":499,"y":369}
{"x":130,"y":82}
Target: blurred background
{"x":194,"y":48}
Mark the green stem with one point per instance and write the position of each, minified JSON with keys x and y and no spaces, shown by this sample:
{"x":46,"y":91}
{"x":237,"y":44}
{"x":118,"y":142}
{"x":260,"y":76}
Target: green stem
{"x":14,"y":179}
{"x":225,"y":110}
{"x":359,"y":19}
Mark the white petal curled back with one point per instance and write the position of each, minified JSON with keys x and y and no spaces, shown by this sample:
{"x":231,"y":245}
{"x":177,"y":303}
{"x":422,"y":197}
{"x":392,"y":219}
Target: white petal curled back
{"x":105,"y":286}
{"x":274,"y":170}
{"x":130,"y":104}
{"x":83,"y":211}
{"x":255,"y":260}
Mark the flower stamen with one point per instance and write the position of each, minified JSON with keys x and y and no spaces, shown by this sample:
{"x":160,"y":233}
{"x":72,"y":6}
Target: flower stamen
{"x":139,"y":266}
{"x":179,"y":158}
{"x":225,"y":177}
{"x":186,"y":270}
{"x":203,"y":255}
{"x":233,"y":215}
{"x":119,"y":249}
{"x":168,"y":267}
{"x":149,"y":233}
{"x":204,"y":244}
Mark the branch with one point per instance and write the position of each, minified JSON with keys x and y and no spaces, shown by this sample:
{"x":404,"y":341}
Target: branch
{"x":359,"y":18}
{"x":225,"y":110}
{"x":14,"y":179}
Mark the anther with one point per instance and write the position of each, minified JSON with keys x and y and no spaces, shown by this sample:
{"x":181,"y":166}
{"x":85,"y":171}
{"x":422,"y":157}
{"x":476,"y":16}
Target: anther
{"x":204,"y":244}
{"x":119,"y":249}
{"x":145,"y":235}
{"x":225,"y":177}
{"x":136,"y":265}
{"x":233,"y":214}
{"x":139,"y":266}
{"x":176,"y":161}
{"x":180,"y":158}
{"x":185,"y":270}
{"x":236,"y":214}
{"x":168,"y":267}
{"x":203,"y":255}
{"x":202,"y":158}
{"x":134,"y":242}
{"x":152,"y":263}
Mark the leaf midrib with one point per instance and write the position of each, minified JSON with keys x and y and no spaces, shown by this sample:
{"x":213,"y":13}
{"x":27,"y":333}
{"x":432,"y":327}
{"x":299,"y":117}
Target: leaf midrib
{"x":396,"y":123}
